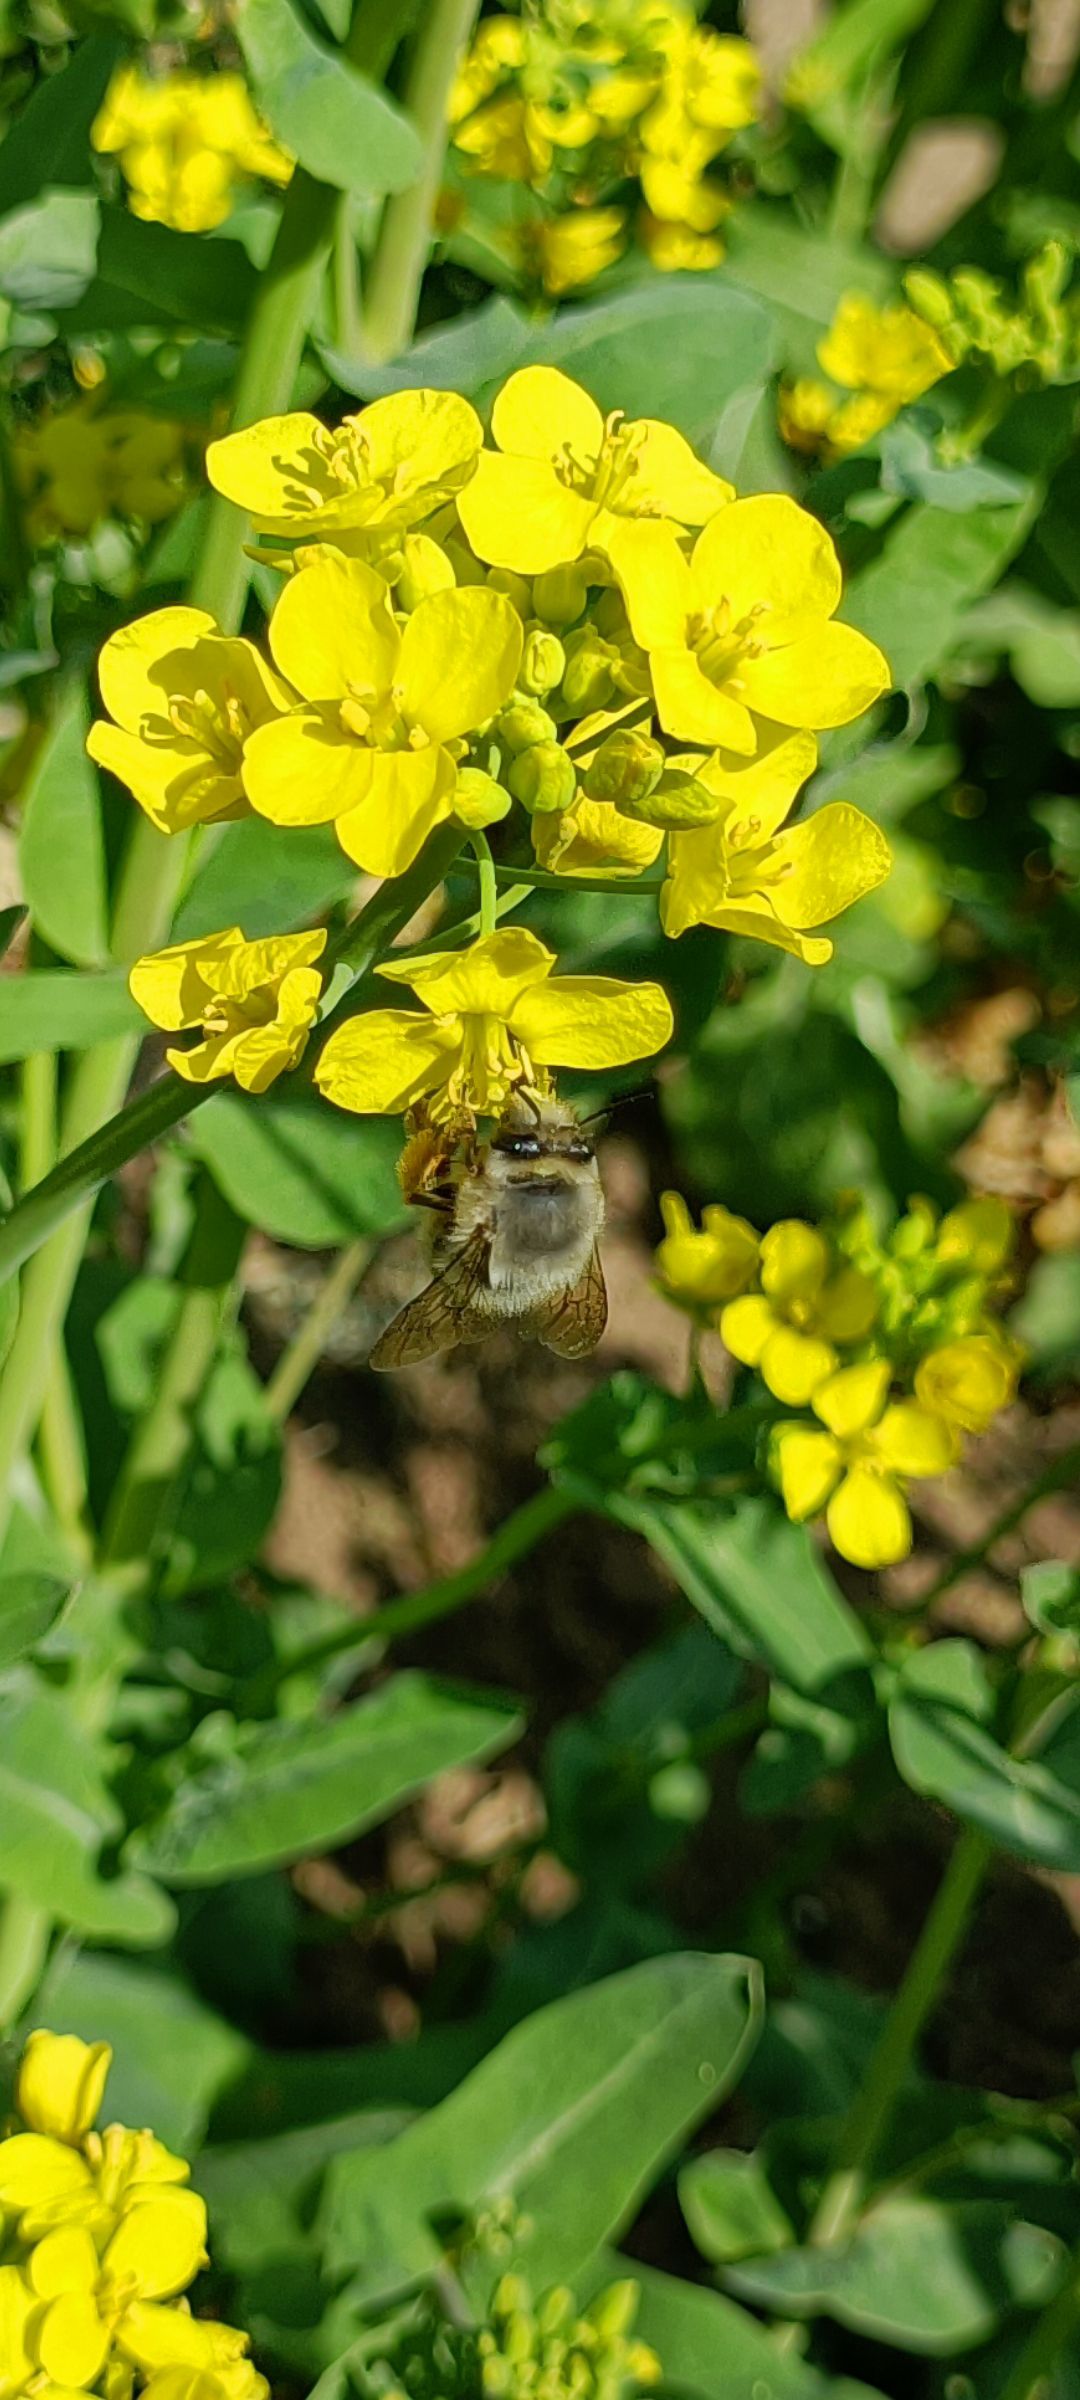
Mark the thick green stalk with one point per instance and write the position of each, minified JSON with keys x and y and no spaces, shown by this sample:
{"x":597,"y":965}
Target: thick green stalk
{"x":1049,"y":2340}
{"x":873,"y":2106}
{"x":401,"y":252}
{"x":24,"y":1941}
{"x":299,"y":1361}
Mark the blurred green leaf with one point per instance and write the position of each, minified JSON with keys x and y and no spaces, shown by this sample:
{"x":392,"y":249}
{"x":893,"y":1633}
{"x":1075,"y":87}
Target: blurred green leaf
{"x":254,"y":879}
{"x":10,"y":921}
{"x":232,"y":1482}
{"x":47,"y":250}
{"x":473,"y":349}
{"x":1050,"y":1591}
{"x":55,"y":1815}
{"x":939,"y":1723}
{"x":61,"y":844}
{"x":673,"y":346}
{"x":48,"y":141}
{"x":303,"y":1172}
{"x":171,"y":2054}
{"x":914,"y":597}
{"x":758,"y":1581}
{"x":29,"y":1605}
{"x":261,"y":2193}
{"x":1041,"y":642}
{"x":56,"y":1011}
{"x":806,"y":1739}
{"x":708,"y":2344}
{"x":149,"y":275}
{"x":730,"y":2207}
{"x":910,"y":467}
{"x":334,"y":120}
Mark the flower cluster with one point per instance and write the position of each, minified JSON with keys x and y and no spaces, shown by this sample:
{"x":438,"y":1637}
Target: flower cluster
{"x":606,"y":118}
{"x":882,"y":358}
{"x":1034,"y":335}
{"x":184,"y":143}
{"x":890,"y":1343}
{"x":522,"y":2351}
{"x":78,"y":465}
{"x":102,"y":2235}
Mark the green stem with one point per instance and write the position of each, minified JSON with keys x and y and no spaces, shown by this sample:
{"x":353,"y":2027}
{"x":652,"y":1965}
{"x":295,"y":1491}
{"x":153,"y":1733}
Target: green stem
{"x":302,"y":1356}
{"x":538,"y":879}
{"x":873,"y":2106}
{"x":63,"y":1458}
{"x":1050,"y":2337}
{"x":347,"y":320}
{"x":489,"y":895}
{"x":1061,"y":1471}
{"x":513,"y":1540}
{"x":24,"y":1941}
{"x":401,"y":252}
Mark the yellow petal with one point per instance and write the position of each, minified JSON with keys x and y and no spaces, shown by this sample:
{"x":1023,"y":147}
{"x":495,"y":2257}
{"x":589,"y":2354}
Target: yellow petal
{"x":333,"y":630}
{"x":516,"y":513}
{"x":847,"y":1306}
{"x":745,"y":1327}
{"x":159,"y":2246}
{"x":410,"y":792}
{"x":170,"y":987}
{"x":966,"y":1382}
{"x":668,"y":480}
{"x":485,"y":980}
{"x":72,"y":2340}
{"x":751,"y":916}
{"x":250,"y":966}
{"x":418,"y":440}
{"x":794,"y":1261}
{"x":693,"y":709}
{"x":64,"y":2261}
{"x":655,"y":581}
{"x":794,"y":1364}
{"x":540,"y":412}
{"x":853,"y":1399}
{"x":175,"y":790}
{"x":767,"y":552}
{"x":460,"y":654}
{"x":762,"y":787}
{"x":979,"y":1236}
{"x":825,"y":677}
{"x":305,"y":769}
{"x":61,"y":2083}
{"x":808,"y":1464}
{"x":380,"y":1063}
{"x":912,"y":1441}
{"x":135,"y":665}
{"x":591,"y":1021}
{"x":262,"y":467}
{"x":154,"y":2335}
{"x":830,"y":861}
{"x":33,"y":2168}
{"x":17,"y":2306}
{"x":868,"y":1520}
{"x":592,"y":838}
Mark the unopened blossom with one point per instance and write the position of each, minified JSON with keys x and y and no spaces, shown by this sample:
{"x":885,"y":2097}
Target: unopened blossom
{"x":60,"y":2084}
{"x":970,"y":1380}
{"x":857,"y":1466}
{"x":184,"y":142}
{"x":380,"y":472}
{"x":808,"y":1307}
{"x":252,"y":1004}
{"x":700,"y":1267}
{"x":573,"y":249}
{"x":183,"y":699}
{"x":494,"y":1018}
{"x":592,"y":838}
{"x":747,"y":873}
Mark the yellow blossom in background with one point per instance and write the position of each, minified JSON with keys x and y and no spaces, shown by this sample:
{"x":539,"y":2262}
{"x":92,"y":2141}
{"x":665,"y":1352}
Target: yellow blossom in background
{"x":183,"y":699}
{"x":184,"y":142}
{"x":968,"y":1381}
{"x":84,"y":463}
{"x":857,"y":1466}
{"x":380,"y":472}
{"x":701,"y":1267}
{"x":494,"y":1018}
{"x":885,"y":357}
{"x":61,"y":2083}
{"x":371,"y":748}
{"x":807,"y":1308}
{"x":571,"y":250}
{"x":252,"y":1003}
{"x":564,"y":478}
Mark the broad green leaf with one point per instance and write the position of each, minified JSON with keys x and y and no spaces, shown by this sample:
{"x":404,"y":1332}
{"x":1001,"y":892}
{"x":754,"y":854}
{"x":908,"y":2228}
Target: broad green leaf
{"x":758,"y":1581}
{"x":279,"y":1792}
{"x":260,"y":2194}
{"x":800,"y":275}
{"x":910,"y":467}
{"x":56,"y":1011}
{"x":573,"y":2116}
{"x":48,"y":140}
{"x":47,"y":250}
{"x":254,"y":879}
{"x":1041,"y":641}
{"x":29,"y":1605}
{"x":233,"y":1480}
{"x":303,"y":1172}
{"x":933,"y":2276}
{"x":673,"y":346}
{"x":706,"y":2343}
{"x":149,"y":275}
{"x":730,"y":2207}
{"x":473,"y":349}
{"x":914,"y":597}
{"x":171,"y":2054}
{"x":1051,"y":1595}
{"x":942,"y":1742}
{"x":806,"y":1739}
{"x":337,"y":123}
{"x":56,"y":1813}
{"x":61,"y":845}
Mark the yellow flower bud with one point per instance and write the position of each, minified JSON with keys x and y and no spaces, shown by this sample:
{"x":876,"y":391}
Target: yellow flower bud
{"x":478,"y":799}
{"x":968,"y":1381}
{"x":978,"y":1235}
{"x":516,"y":588}
{"x":626,"y":768}
{"x":588,"y":682}
{"x":543,"y":662}
{"x":559,"y":595}
{"x":61,"y":2083}
{"x":524,"y":723}
{"x":543,"y":778}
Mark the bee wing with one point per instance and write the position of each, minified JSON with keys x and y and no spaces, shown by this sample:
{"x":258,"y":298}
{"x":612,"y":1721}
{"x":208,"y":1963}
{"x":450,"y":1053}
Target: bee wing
{"x":443,"y":1314}
{"x":573,"y":1322}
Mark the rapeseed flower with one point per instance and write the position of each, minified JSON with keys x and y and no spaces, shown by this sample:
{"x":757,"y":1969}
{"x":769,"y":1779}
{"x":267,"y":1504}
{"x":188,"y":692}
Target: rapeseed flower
{"x":184,"y":699}
{"x":81,"y":464}
{"x":381,"y":472}
{"x":565,"y":478}
{"x":573,"y":249}
{"x":61,"y":2084}
{"x":968,"y":1381}
{"x":809,"y":1306}
{"x":746,"y":873}
{"x":857,"y":1466}
{"x":252,"y":1003}
{"x":494,"y":1019}
{"x":884,"y":357}
{"x":700,"y":1267}
{"x":184,"y":142}
{"x":592,"y":838}
{"x":374,"y":744}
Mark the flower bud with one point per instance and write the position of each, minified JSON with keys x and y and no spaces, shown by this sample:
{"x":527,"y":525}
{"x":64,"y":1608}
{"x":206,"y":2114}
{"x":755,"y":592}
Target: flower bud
{"x":930,"y":297}
{"x":588,"y":682}
{"x":543,"y":662}
{"x":614,"y":2310}
{"x":543,"y":779}
{"x":504,"y":579}
{"x":679,"y":803}
{"x":478,"y":799}
{"x":626,"y":767}
{"x":523,"y":723}
{"x":60,"y":2084}
{"x":559,"y":595}
{"x":1045,"y":277}
{"x":425,"y":568}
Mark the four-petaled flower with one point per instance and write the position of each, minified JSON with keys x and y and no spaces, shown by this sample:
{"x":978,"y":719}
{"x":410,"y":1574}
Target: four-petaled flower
{"x":494,"y":1018}
{"x":805,"y":1306}
{"x":701,"y":1267}
{"x":857,"y":1466}
{"x":565,"y":478}
{"x":182,"y":141}
{"x":252,"y":1003}
{"x":184,"y":699}
{"x":370,"y":748}
{"x":383,"y":470}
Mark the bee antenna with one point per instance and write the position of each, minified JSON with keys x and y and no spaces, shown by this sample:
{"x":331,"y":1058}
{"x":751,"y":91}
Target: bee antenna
{"x":621,"y":1100}
{"x":531,"y":1101}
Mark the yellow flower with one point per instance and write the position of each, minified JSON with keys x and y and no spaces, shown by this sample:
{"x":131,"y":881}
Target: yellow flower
{"x":675,"y":248}
{"x":747,"y":625}
{"x":182,"y":141}
{"x":154,"y":2253}
{"x":505,"y":140}
{"x":82,"y":464}
{"x":699,"y":1269}
{"x":859,"y":1465}
{"x":888,"y":352}
{"x":978,"y":1236}
{"x":574,"y":249}
{"x":184,"y":699}
{"x":806,"y":1306}
{"x":370,"y":750}
{"x":18,"y":2309}
{"x":497,"y":48}
{"x":592,"y":838}
{"x":565,"y":478}
{"x":712,"y":87}
{"x":61,"y":2083}
{"x":744,"y":874}
{"x":253,"y":1003}
{"x":497,"y":1019}
{"x":805,"y":412}
{"x":382,"y":471}
{"x":968,"y":1381}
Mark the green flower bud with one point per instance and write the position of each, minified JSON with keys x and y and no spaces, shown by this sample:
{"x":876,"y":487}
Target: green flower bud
{"x":556,"y":2309}
{"x":478,"y":799}
{"x":560,"y":594}
{"x":1045,"y":277}
{"x":589,"y":680}
{"x":543,"y":779}
{"x":930,"y":297}
{"x":504,"y":579}
{"x":425,"y":568}
{"x":626,"y":768}
{"x":523,"y":723}
{"x":679,"y":803}
{"x":613,"y":2311}
{"x":543,"y":661}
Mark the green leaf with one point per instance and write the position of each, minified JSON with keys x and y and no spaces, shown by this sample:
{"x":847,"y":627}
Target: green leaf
{"x":1041,"y":642}
{"x":758,"y":1581}
{"x":48,"y":141}
{"x":149,"y":275}
{"x":337,"y":123}
{"x":573,"y":2116}
{"x":171,"y":2054}
{"x":730,"y":2207}
{"x":801,"y":275}
{"x":707,"y":2344}
{"x":10,"y":921}
{"x":914,"y":597}
{"x":307,"y":1174}
{"x":253,"y":879}
{"x":47,"y":250}
{"x":260,"y":2193}
{"x":911,"y":468}
{"x":232,"y":1484}
{"x":939,"y":1722}
{"x":57,"y":1011}
{"x":1051,"y":1595}
{"x":29,"y":1605}
{"x":806,"y":1739}
{"x":61,"y":845}
{"x":279,"y":1792}
{"x":476,"y":348}
{"x":672,"y":346}
{"x":55,"y":1815}
{"x":933,"y":2276}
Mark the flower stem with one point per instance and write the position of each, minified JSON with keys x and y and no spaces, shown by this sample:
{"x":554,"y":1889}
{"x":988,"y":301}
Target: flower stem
{"x":300,"y":1359}
{"x":401,"y":252}
{"x":1050,"y":2336}
{"x":489,"y":893}
{"x":632,"y":887}
{"x":24,"y":1940}
{"x":873,"y":2106}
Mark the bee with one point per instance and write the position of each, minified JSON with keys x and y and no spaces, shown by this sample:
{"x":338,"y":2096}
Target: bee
{"x":517,"y":1228}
